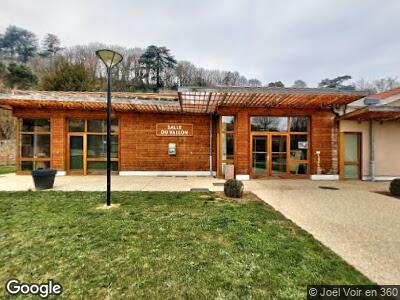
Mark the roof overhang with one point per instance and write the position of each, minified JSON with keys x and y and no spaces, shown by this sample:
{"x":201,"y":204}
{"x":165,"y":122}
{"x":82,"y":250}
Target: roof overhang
{"x":207,"y":100}
{"x":379,"y":113}
{"x":186,"y":100}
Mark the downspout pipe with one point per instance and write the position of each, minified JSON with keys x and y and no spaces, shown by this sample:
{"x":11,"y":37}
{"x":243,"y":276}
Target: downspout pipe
{"x":211,"y":144}
{"x":372,"y":149}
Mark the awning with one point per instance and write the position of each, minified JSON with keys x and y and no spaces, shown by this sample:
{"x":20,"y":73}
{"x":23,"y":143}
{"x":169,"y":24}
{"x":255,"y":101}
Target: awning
{"x":207,"y":100}
{"x":378,"y":113}
{"x":186,"y":100}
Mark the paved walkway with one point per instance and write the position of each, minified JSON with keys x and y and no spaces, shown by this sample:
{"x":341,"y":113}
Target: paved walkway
{"x":360,"y":225}
{"x":12,"y":182}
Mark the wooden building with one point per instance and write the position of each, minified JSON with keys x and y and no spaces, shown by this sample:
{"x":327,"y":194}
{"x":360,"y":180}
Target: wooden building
{"x":262,"y":132}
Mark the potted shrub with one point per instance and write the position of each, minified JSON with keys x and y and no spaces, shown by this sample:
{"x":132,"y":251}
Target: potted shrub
{"x":233,"y":188}
{"x":44,"y":178}
{"x":395,"y":187}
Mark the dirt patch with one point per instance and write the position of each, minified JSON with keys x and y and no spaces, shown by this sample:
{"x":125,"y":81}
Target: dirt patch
{"x":104,"y":206}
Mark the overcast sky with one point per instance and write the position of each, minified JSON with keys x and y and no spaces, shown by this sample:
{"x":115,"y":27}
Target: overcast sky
{"x":269,"y":40}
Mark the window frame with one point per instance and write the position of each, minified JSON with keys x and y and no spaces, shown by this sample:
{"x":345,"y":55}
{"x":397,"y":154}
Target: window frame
{"x":85,"y":134}
{"x":221,"y":132}
{"x":288,"y":134}
{"x":32,"y":159}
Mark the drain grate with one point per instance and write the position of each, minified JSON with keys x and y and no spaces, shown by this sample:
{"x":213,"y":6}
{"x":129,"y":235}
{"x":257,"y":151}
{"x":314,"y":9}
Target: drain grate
{"x":218,"y":184}
{"x":328,"y":188}
{"x":200,"y":190}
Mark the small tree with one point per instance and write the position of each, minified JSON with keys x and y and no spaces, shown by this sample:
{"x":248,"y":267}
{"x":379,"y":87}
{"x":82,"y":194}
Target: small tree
{"x":155,"y":60}
{"x":336,"y":83}
{"x":67,"y":77}
{"x":51,"y":45}
{"x":276,"y":84}
{"x":18,"y":44}
{"x":300,"y":84}
{"x":254,"y":82}
{"x":20,"y":77}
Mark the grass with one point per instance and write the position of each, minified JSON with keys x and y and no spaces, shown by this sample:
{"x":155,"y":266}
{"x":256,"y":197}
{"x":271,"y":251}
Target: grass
{"x":161,"y":245}
{"x":7,"y":169}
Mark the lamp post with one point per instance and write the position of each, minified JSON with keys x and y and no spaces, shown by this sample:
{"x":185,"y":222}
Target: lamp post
{"x":110,"y":59}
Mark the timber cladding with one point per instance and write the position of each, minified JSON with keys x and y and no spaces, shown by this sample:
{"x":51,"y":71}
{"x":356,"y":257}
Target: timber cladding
{"x":142,"y":149}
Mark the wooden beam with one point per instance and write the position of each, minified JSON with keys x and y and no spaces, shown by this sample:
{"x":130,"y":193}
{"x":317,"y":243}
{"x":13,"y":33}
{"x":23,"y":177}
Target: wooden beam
{"x":208,"y":102}
{"x":6,"y":107}
{"x":180,"y":100}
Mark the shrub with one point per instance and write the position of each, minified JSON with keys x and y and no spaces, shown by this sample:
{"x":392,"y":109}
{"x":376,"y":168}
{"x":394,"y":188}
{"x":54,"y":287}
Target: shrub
{"x":67,"y":77}
{"x":395,"y":187}
{"x":233,"y":188}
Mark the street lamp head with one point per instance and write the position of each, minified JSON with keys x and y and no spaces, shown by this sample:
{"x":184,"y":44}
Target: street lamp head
{"x":109,"y":57}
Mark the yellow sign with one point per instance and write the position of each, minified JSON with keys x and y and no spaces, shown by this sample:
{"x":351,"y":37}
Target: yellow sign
{"x":174,"y":129}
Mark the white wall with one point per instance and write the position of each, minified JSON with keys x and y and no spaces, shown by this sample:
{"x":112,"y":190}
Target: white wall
{"x":363,"y":128}
{"x":387,"y":146}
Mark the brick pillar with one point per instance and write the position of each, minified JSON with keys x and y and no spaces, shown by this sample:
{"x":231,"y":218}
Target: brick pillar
{"x":58,"y":143}
{"x":242,"y":144}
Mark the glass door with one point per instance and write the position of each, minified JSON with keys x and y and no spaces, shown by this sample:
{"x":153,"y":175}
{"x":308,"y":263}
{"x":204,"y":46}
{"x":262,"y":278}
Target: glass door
{"x":76,"y":161}
{"x":278,"y":155}
{"x":352,"y":156}
{"x":260,"y":155}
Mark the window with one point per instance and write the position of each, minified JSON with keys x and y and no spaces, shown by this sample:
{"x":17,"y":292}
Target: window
{"x":228,"y":137}
{"x":287,"y":144}
{"x":93,"y":134}
{"x":227,"y":141}
{"x":34,"y":144}
{"x":76,"y":125}
{"x":277,"y":124}
{"x":298,"y":146}
{"x":101,"y":126}
{"x":299,"y":124}
{"x":97,"y":146}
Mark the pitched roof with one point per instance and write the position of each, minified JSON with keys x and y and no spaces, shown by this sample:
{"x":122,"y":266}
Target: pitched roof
{"x":386,"y":94}
{"x":378,"y":113}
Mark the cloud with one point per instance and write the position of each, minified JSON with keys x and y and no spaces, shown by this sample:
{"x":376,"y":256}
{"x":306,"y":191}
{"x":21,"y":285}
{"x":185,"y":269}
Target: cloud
{"x":270,"y":40}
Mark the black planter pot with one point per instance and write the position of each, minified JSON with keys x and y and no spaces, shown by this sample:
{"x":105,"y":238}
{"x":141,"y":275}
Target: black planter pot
{"x":44,"y":179}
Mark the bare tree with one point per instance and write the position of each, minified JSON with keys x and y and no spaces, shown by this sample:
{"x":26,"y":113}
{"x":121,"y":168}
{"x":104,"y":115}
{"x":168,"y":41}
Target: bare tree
{"x":378,"y":85}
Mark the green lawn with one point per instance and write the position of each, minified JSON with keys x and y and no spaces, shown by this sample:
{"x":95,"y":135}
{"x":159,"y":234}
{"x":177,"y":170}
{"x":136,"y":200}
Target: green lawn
{"x":161,"y":245}
{"x":7,"y":169}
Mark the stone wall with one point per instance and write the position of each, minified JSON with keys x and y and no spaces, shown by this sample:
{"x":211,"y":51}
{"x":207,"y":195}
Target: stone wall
{"x":7,"y":152}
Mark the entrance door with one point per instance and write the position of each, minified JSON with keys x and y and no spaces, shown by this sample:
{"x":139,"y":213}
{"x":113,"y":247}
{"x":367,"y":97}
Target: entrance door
{"x":76,"y":154}
{"x":351,"y":155}
{"x":260,"y":155}
{"x":278,"y":155}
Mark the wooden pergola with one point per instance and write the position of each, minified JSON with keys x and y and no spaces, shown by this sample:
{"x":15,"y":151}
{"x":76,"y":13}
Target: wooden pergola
{"x":186,"y":100}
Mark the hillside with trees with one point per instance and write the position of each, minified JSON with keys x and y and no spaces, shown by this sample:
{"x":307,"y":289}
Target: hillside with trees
{"x":27,"y":63}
